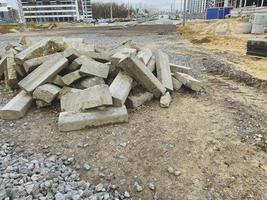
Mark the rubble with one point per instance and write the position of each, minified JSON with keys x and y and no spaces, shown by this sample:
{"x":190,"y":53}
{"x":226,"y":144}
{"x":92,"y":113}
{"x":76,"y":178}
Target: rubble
{"x":94,"y":86}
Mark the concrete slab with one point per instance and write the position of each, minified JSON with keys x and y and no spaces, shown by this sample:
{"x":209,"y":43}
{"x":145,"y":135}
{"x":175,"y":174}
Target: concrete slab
{"x":11,"y":78}
{"x":42,"y":48}
{"x":121,"y":55}
{"x":47,"y":92}
{"x":41,"y":104}
{"x":165,"y":100}
{"x":92,"y":97}
{"x":57,"y":80}
{"x":176,"y":84}
{"x":32,"y":64}
{"x":3,"y":63}
{"x":76,"y":121}
{"x":77,"y":63}
{"x":43,"y":73}
{"x":120,"y":88}
{"x":181,"y":69}
{"x":188,"y":81}
{"x":92,"y":67}
{"x":102,"y":57}
{"x":89,"y":82}
{"x":137,"y":99}
{"x":17,"y":107}
{"x":137,"y":70}
{"x":70,"y":78}
{"x":145,"y":55}
{"x":163,"y":70}
{"x":67,"y":90}
{"x":71,"y":54}
{"x":151,"y":65}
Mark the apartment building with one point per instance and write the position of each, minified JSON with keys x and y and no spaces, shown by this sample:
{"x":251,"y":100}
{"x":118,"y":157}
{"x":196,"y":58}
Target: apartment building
{"x":3,"y":10}
{"x":55,"y":10}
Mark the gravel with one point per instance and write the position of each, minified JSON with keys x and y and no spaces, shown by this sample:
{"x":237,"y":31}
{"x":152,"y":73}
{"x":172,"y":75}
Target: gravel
{"x":34,"y":176}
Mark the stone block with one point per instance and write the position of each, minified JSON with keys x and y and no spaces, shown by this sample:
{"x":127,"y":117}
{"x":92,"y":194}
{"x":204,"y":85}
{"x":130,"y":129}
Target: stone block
{"x":47,"y":92}
{"x":188,"y":81}
{"x":163,"y":70}
{"x":137,"y":70}
{"x":76,"y":121}
{"x":43,"y":73}
{"x":92,"y":97}
{"x":145,"y":55}
{"x":120,"y":88}
{"x":17,"y":107}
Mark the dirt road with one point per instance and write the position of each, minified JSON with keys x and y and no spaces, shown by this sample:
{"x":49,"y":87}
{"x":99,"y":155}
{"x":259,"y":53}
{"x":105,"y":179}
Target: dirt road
{"x":216,"y":138}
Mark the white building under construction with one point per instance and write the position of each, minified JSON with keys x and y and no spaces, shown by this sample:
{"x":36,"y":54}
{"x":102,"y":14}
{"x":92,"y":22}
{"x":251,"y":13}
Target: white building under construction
{"x":55,"y":10}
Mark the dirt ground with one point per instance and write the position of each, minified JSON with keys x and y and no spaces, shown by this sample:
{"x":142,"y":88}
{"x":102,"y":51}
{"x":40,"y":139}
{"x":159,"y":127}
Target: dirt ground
{"x":217,"y":138}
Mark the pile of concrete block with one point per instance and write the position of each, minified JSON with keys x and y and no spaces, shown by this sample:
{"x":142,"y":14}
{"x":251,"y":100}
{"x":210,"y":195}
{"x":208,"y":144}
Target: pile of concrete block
{"x":94,"y":86}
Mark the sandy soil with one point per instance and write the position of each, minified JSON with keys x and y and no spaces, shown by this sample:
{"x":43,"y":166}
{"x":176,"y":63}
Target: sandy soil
{"x":216,"y":138}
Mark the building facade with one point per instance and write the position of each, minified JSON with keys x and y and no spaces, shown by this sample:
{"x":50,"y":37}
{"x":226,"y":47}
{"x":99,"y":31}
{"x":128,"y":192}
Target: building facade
{"x":3,"y":11}
{"x":54,"y":10}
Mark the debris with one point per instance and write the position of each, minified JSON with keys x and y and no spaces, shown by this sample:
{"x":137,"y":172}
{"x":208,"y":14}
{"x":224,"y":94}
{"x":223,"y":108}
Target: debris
{"x":165,"y":100}
{"x":163,"y":70}
{"x":57,"y":80}
{"x":188,"y":81}
{"x":11,"y":77}
{"x":72,"y":77}
{"x":32,"y":64}
{"x":121,"y":55}
{"x":89,"y":82}
{"x":46,"y":92}
{"x":120,"y":88}
{"x":257,"y":47}
{"x":67,"y":90}
{"x":181,"y":69}
{"x":92,"y":97}
{"x":75,"y":121}
{"x":151,"y":186}
{"x":176,"y":84}
{"x":135,"y":68}
{"x":102,"y":57}
{"x":3,"y":63}
{"x":145,"y":55}
{"x":138,"y":187}
{"x":137,"y":99}
{"x":151,"y":65}
{"x":43,"y":73}
{"x":71,"y":54}
{"x":17,"y":107}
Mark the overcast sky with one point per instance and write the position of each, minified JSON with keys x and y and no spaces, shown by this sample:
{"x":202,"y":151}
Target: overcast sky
{"x":160,"y":4}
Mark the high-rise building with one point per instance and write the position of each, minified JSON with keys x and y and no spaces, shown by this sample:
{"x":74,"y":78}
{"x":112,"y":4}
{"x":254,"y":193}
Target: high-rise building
{"x":55,"y":10}
{"x":3,"y":10}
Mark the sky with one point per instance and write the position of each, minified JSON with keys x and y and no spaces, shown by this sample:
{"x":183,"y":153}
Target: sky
{"x":159,"y":4}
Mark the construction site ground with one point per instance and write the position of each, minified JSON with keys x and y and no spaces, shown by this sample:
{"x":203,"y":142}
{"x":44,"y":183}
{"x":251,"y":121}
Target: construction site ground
{"x":217,"y":138}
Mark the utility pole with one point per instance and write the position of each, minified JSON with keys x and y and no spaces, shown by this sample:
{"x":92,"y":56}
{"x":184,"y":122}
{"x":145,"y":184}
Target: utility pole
{"x":111,"y":10}
{"x":184,"y":17}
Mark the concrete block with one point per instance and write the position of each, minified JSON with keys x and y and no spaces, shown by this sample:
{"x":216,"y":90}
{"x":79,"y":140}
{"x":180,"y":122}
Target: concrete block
{"x":17,"y":107}
{"x":151,"y":65}
{"x":92,"y":97}
{"x":120,"y":88}
{"x":145,"y":55}
{"x":42,"y":104}
{"x":89,"y":82}
{"x":32,"y":64}
{"x":72,"y":77}
{"x":77,"y":63}
{"x":102,"y":57}
{"x":188,"y":81}
{"x":137,"y":99}
{"x":42,"y":48}
{"x":11,"y":78}
{"x":43,"y":73}
{"x":47,"y":92}
{"x":176,"y":84}
{"x":3,"y":63}
{"x":137,"y":70}
{"x":76,"y":121}
{"x":165,"y":100}
{"x":71,"y":54}
{"x":181,"y":69}
{"x":57,"y":80}
{"x":163,"y":70}
{"x":122,"y":54}
{"x":92,"y":67}
{"x":11,"y":61}
{"x":67,"y":90}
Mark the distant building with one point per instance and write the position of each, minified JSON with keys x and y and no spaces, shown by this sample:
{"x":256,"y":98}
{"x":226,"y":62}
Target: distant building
{"x":55,"y":10}
{"x":7,"y":14}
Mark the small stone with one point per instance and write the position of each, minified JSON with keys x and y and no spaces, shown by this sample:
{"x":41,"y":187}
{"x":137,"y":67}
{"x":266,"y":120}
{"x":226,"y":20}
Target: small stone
{"x":99,"y":187}
{"x":138,"y":187}
{"x":177,"y":173}
{"x":87,"y":167}
{"x":151,"y":186}
{"x":127,"y":194}
{"x":170,"y":170}
{"x":124,"y":144}
{"x":165,"y":100}
{"x":59,"y":196}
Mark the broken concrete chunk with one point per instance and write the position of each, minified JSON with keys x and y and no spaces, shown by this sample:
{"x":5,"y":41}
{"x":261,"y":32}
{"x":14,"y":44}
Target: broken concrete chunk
{"x":145,"y":55}
{"x":3,"y":63}
{"x":32,"y":64}
{"x":179,"y":68}
{"x":139,"y":98}
{"x":71,"y":54}
{"x":67,"y":90}
{"x":10,"y":72}
{"x":57,"y":80}
{"x":165,"y":100}
{"x":42,"y":104}
{"x":136,"y":69}
{"x":120,"y":88}
{"x":92,"y":97}
{"x":78,"y":44}
{"x":17,"y":107}
{"x":77,"y":63}
{"x":151,"y":65}
{"x":163,"y":70}
{"x":188,"y":81}
{"x":76,"y":121}
{"x":72,"y":77}
{"x":41,"y":48}
{"x":89,"y":82}
{"x":102,"y":57}
{"x":43,"y":73}
{"x":47,"y":92}
{"x":11,"y":61}
{"x":176,"y":84}
{"x":121,"y":55}
{"x":91,"y":67}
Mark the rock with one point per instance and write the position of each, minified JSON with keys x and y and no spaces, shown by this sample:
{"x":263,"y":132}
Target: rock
{"x":138,"y":187}
{"x":87,"y":167}
{"x":170,"y":170}
{"x":127,"y":194}
{"x":59,"y":196}
{"x":165,"y":100}
{"x":99,"y":187}
{"x":151,"y":186}
{"x":177,"y":173}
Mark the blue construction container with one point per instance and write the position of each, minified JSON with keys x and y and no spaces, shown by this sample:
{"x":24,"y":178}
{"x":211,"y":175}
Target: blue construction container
{"x":218,"y":13}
